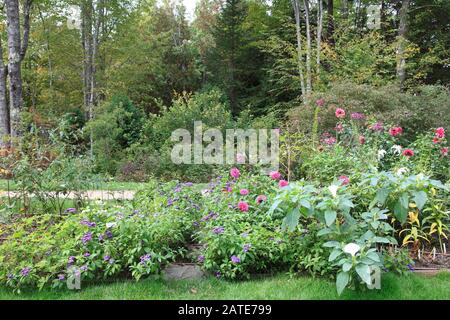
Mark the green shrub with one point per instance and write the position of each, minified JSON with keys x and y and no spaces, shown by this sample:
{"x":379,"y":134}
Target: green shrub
{"x":417,"y":112}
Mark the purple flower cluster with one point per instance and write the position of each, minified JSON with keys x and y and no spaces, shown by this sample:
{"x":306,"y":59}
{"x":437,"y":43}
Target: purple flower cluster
{"x":235,"y":259}
{"x":86,"y":254}
{"x":246,"y":247}
{"x":25,"y":271}
{"x":61,"y":277}
{"x":377,"y":126}
{"x":210,"y":216}
{"x":86,"y":237}
{"x":71,"y":210}
{"x":83,"y":268}
{"x":358,"y":116}
{"x":145,"y":258}
{"x":71,"y":260}
{"x":201,"y":259}
{"x":88,"y":223}
{"x":218,"y":230}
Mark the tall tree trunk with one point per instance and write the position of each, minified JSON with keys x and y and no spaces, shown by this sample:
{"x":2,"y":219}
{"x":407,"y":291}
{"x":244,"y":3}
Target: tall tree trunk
{"x":401,"y":45}
{"x":319,"y":34}
{"x":4,"y":109}
{"x":330,"y":22}
{"x":308,"y":51}
{"x":14,"y":64}
{"x":296,"y":5}
{"x":16,"y":53}
{"x":88,"y":64}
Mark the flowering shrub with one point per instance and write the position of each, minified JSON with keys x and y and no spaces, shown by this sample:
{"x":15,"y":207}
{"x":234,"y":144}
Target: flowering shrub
{"x":100,"y":242}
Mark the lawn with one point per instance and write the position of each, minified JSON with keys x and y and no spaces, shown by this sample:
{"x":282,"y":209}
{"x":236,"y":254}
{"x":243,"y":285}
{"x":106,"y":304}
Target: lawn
{"x":274,"y":288}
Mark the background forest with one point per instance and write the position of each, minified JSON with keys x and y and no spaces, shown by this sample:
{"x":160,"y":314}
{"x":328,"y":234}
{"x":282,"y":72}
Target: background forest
{"x":108,"y":81}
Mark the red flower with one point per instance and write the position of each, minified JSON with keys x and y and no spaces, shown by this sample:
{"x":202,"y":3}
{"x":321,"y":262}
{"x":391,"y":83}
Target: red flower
{"x":436,"y":140}
{"x":243,"y":206}
{"x":261,"y":198}
{"x":235,"y":173}
{"x":444,"y":151}
{"x":340,"y":113}
{"x":362,"y":139}
{"x":344,"y":180}
{"x":408,"y":153}
{"x":275,"y":175}
{"x":440,"y":133}
{"x":395,"y":131}
{"x":283,"y":183}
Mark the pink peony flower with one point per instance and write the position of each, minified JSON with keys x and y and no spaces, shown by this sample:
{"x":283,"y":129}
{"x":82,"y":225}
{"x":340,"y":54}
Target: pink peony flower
{"x":275,"y":175}
{"x":261,"y":198}
{"x":444,"y":151}
{"x":243,"y":206}
{"x":344,"y":180}
{"x":244,"y":192}
{"x":408,"y":153}
{"x":340,"y":113}
{"x":283,"y":183}
{"x":440,"y":133}
{"x":395,"y":131}
{"x":235,"y":173}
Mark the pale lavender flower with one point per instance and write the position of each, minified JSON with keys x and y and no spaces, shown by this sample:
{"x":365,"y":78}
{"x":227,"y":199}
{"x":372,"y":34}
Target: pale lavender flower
{"x":25,"y":271}
{"x":218,"y":230}
{"x":235,"y":259}
{"x":246,"y":247}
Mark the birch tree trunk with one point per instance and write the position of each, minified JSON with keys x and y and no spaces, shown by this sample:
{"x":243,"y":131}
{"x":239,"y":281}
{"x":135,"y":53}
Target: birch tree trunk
{"x":401,"y":46}
{"x":296,"y":5}
{"x":319,"y":34}
{"x":16,"y":53}
{"x":308,"y":51}
{"x":4,"y":109}
{"x":14,"y":64}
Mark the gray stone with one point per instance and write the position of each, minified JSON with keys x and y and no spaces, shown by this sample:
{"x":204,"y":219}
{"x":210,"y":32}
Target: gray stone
{"x":183,"y":271}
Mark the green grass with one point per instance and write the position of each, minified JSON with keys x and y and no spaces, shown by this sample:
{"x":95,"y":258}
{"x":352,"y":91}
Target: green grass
{"x":277,"y":287}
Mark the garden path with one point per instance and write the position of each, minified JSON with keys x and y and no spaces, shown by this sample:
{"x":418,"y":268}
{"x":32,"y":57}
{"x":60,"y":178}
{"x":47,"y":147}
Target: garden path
{"x":90,"y":194}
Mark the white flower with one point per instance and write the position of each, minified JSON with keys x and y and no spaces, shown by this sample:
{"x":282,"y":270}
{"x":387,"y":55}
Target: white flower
{"x":397,"y":149}
{"x":402,"y":171}
{"x":352,"y":248}
{"x":205,"y":192}
{"x":333,"y":189}
{"x":381,"y":154}
{"x":110,"y":225}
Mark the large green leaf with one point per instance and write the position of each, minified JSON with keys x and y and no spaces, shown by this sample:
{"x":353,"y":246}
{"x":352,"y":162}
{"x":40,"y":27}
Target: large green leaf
{"x":420,"y":198}
{"x":330,"y":217}
{"x":342,"y":281}
{"x":290,"y":222}
{"x":334,"y":254}
{"x":363,"y":271}
{"x":400,"y":212}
